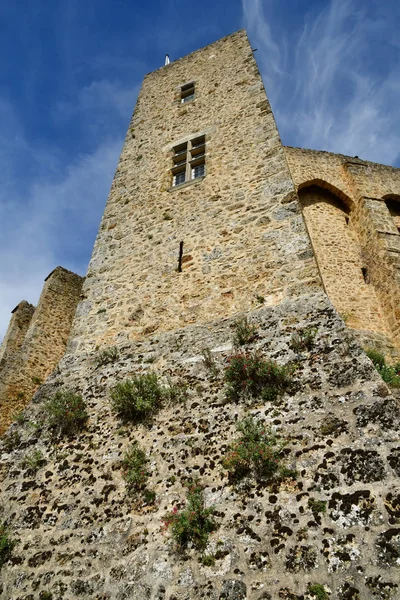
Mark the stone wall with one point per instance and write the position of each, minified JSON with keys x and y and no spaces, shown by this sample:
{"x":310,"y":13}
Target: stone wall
{"x":23,"y":369}
{"x":17,"y":329}
{"x":369,"y":240}
{"x":335,"y":524}
{"x":244,"y":241}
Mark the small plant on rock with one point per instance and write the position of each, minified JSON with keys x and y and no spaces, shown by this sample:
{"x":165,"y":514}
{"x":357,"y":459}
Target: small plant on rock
{"x":318,"y":591}
{"x":244,"y":332}
{"x":176,"y":392}
{"x":192,"y":524}
{"x":250,"y":374}
{"x":134,"y":469}
{"x":6,"y":545}
{"x":389,"y":373}
{"x":255,"y":453}
{"x":209,"y":362}
{"x":138,"y":398}
{"x":303,"y":340}
{"x":33,"y":461}
{"x":66,"y":412}
{"x":317,"y":506}
{"x":107,"y":356}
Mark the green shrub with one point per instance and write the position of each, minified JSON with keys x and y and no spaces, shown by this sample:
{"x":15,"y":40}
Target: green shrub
{"x":377,"y":357}
{"x":176,"y":392}
{"x":134,"y":469}
{"x":244,"y":332}
{"x":208,"y":560}
{"x":303,"y":340}
{"x":193,"y":524}
{"x":250,"y":374}
{"x":318,"y":591}
{"x":33,"y":461}
{"x":66,"y":412}
{"x":317,"y":506}
{"x":6,"y":545}
{"x":255,"y":453}
{"x":138,"y":398}
{"x":389,"y":373}
{"x":107,"y":356}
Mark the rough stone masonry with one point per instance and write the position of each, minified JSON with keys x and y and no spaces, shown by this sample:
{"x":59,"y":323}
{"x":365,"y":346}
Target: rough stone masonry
{"x":329,"y":526}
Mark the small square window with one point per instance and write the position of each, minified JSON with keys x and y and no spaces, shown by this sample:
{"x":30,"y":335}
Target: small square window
{"x":198,"y":171}
{"x":179,"y":178}
{"x":187,"y":92}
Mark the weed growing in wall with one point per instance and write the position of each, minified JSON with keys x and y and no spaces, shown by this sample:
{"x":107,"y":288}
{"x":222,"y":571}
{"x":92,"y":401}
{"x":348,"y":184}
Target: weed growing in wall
{"x":244,"y":332}
{"x":107,"y":356}
{"x":6,"y":545}
{"x":176,"y":392}
{"x":318,"y":591}
{"x":303,"y":340}
{"x":66,"y":412}
{"x":255,"y":453}
{"x":138,"y":398}
{"x":209,"y":362}
{"x":251,"y":375}
{"x":317,"y":506}
{"x":134,"y":469}
{"x":389,"y":373}
{"x":194,"y":523}
{"x":33,"y":461}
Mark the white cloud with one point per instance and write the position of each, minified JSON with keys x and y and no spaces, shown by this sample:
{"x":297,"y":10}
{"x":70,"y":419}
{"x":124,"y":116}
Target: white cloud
{"x":53,"y":218}
{"x":333,"y":80}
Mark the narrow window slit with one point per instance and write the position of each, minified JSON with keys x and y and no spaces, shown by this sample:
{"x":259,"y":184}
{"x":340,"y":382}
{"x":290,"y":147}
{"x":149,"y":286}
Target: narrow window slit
{"x":180,"y":257}
{"x":365,"y":274}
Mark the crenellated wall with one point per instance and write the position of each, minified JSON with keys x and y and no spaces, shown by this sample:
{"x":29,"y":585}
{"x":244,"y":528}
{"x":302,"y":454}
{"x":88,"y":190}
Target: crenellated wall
{"x":35,"y":341}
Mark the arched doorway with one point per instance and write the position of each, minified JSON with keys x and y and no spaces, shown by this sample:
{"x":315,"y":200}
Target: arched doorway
{"x":339,"y":256}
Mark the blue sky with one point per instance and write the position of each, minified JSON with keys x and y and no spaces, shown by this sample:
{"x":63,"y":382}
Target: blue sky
{"x":71,"y":70}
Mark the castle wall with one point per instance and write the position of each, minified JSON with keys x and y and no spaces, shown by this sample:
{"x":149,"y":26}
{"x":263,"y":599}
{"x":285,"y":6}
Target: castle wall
{"x":244,"y":240}
{"x":44,"y":343}
{"x":16,"y":332}
{"x":340,"y":260}
{"x":363,"y":187}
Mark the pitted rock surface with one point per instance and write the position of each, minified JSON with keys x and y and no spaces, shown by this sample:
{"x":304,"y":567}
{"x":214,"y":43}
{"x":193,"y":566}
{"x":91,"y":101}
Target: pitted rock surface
{"x":337,"y":524}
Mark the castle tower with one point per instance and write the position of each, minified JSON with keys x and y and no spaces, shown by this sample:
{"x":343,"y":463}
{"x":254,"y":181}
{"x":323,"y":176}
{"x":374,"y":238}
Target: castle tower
{"x":202,"y":220}
{"x":291,"y":441}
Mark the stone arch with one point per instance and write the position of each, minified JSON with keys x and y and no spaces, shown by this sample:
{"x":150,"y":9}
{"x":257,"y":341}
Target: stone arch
{"x":392,"y":201}
{"x":340,"y":258}
{"x":325,"y":185}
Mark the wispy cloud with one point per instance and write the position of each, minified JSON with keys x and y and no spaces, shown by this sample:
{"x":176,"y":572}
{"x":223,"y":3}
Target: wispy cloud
{"x":332,"y":74}
{"x":53,"y":218}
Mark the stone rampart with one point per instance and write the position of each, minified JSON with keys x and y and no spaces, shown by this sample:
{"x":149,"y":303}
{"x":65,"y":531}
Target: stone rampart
{"x":17,"y":329}
{"x":334,"y":525}
{"x":27,"y":362}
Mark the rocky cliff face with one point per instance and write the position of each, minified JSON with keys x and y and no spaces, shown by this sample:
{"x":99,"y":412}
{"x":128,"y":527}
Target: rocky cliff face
{"x":330,"y":531}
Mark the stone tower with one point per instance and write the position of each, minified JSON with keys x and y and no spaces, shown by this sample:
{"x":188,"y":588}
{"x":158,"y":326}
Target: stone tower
{"x":212,"y":228}
{"x":203,"y":174}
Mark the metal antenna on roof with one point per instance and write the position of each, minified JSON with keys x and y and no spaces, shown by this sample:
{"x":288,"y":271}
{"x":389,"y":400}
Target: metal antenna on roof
{"x":167,"y":61}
